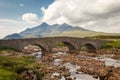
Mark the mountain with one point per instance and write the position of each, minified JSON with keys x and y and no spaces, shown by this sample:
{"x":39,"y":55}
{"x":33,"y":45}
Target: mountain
{"x":43,"y":30}
{"x":13,"y":36}
{"x":46,"y":30}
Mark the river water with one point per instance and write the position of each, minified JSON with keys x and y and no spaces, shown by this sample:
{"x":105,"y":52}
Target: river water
{"x":109,"y":61}
{"x":81,"y":76}
{"x":73,"y":68}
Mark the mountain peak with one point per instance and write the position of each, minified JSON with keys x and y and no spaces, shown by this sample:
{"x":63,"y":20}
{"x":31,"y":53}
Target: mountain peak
{"x":44,"y":24}
{"x":45,"y":29}
{"x":64,"y":24}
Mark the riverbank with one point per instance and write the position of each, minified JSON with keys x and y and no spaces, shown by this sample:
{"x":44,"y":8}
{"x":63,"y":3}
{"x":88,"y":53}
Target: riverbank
{"x":62,"y":66}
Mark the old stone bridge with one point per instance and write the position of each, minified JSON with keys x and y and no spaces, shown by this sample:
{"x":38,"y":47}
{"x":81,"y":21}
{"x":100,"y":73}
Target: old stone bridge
{"x":48,"y":43}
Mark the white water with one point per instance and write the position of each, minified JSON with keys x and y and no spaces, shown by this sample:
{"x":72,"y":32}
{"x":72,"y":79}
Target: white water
{"x":37,"y":54}
{"x":57,"y":62}
{"x":55,"y":74}
{"x":109,"y":61}
{"x":72,"y":69}
{"x":59,"y":53}
{"x":81,"y":76}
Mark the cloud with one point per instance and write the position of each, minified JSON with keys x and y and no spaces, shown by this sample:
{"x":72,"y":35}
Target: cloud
{"x":30,"y":18}
{"x":21,"y":5}
{"x":91,"y":14}
{"x":43,"y":9}
{"x":8,"y":26}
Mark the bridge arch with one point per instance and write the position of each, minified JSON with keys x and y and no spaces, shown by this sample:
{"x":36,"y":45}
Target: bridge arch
{"x":47,"y":43}
{"x":62,"y":46}
{"x":88,"y":47}
{"x":33,"y":48}
{"x":40,"y":46}
{"x":69,"y":45}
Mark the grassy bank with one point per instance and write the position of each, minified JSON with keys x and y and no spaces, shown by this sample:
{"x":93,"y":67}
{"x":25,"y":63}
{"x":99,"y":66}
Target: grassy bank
{"x":7,"y":74}
{"x":12,"y":66}
{"x":7,"y":48}
{"x":113,"y":44}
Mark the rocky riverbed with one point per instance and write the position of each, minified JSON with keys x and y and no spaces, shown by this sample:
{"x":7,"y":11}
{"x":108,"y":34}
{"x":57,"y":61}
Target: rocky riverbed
{"x":71,"y":66}
{"x":65,"y":66}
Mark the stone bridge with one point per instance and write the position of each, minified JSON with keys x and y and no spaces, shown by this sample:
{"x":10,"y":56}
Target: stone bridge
{"x":48,"y":43}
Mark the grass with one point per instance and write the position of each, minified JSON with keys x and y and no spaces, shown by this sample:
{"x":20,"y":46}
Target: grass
{"x":6,"y":74}
{"x":11,"y":67}
{"x":8,"y":52}
{"x":7,"y":48}
{"x":18,"y":60}
{"x":80,"y":34}
{"x":60,"y":44}
{"x":14,"y":63}
{"x":113,"y":44}
{"x":106,"y":37}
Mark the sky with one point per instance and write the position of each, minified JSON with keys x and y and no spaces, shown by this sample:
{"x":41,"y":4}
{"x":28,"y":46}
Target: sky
{"x":96,"y":15}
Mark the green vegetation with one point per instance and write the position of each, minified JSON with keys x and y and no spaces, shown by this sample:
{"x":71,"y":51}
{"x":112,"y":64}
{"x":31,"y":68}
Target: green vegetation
{"x":7,"y":48}
{"x":84,"y":48}
{"x":113,"y":44}
{"x":106,"y":37}
{"x":60,"y":44}
{"x":7,"y":74}
{"x":8,"y":51}
{"x":11,"y":67}
{"x":80,"y":34}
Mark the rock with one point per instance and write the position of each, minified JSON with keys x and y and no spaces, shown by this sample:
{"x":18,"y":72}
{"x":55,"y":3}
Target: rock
{"x":68,"y":78}
{"x":113,"y":74}
{"x":28,"y":75}
{"x":95,"y":76}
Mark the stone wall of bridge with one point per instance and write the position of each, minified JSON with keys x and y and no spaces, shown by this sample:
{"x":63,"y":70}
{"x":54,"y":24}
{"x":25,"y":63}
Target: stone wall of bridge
{"x":48,"y":43}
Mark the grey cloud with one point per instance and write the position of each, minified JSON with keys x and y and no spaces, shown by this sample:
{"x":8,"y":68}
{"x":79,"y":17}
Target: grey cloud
{"x":97,"y":14}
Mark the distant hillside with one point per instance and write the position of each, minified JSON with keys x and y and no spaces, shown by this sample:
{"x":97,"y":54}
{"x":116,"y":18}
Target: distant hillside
{"x":82,"y":34}
{"x":13,"y":36}
{"x":106,"y":37}
{"x":110,"y":37}
{"x":45,"y":30}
